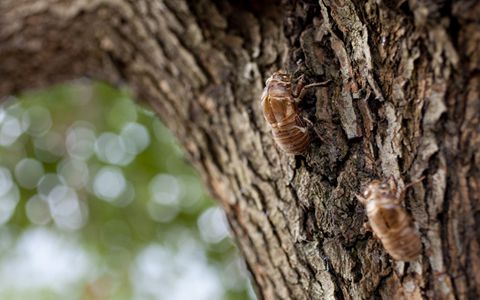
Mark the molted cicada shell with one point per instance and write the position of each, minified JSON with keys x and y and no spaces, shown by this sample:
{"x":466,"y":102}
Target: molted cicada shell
{"x":279,"y":104}
{"x":390,"y":221}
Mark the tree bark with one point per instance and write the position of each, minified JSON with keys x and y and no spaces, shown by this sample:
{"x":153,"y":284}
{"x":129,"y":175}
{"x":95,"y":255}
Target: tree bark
{"x":402,"y":101}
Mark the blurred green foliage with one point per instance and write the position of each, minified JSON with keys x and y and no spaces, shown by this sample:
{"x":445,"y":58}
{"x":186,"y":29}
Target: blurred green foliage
{"x":98,"y":202}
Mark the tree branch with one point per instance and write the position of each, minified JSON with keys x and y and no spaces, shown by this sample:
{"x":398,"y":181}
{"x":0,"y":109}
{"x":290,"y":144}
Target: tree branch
{"x":402,"y":100}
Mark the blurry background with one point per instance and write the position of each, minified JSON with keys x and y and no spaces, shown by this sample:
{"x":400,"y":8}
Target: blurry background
{"x":97,"y":202}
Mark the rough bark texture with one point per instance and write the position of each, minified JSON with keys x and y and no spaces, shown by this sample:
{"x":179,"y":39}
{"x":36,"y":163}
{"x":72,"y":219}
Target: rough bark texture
{"x":403,"y":100}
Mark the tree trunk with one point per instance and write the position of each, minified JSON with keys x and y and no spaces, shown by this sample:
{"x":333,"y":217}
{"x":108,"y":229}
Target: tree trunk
{"x":402,"y":101}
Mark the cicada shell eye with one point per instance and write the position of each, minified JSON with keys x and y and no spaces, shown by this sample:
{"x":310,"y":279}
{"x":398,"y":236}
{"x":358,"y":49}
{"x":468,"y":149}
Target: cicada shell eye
{"x":280,"y":76}
{"x":367,"y":193}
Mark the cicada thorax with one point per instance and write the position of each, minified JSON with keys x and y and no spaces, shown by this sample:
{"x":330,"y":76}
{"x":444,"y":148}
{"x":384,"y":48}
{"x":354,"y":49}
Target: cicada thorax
{"x":394,"y":227}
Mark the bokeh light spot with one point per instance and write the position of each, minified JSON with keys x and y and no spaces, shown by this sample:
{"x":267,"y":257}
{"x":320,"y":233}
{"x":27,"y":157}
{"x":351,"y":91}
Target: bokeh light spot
{"x":49,"y":147}
{"x":109,"y":183}
{"x":213,"y":225}
{"x":10,"y":130}
{"x":137,"y":134}
{"x":162,"y":213}
{"x":193,"y":189}
{"x":113,"y":149}
{"x":6,"y":181}
{"x":65,"y":208}
{"x":28,"y":172}
{"x":37,"y":120}
{"x":42,"y":258}
{"x":160,"y":273}
{"x":38,"y":211}
{"x":80,"y":140}
{"x":47,"y":183}
{"x":165,"y":189}
{"x":74,"y":171}
{"x":8,"y":203}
